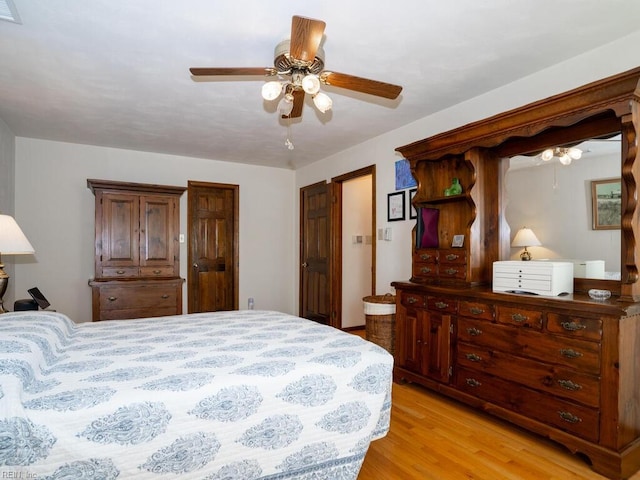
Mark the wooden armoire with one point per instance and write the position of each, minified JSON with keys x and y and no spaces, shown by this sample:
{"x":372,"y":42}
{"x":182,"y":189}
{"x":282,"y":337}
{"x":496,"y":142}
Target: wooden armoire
{"x":137,"y":250}
{"x":565,"y":367}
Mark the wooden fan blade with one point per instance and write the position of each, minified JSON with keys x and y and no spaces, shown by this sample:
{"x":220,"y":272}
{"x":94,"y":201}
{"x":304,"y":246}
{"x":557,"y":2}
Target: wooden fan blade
{"x":267,"y":71}
{"x":298,"y":103}
{"x":306,"y":35}
{"x":359,"y":84}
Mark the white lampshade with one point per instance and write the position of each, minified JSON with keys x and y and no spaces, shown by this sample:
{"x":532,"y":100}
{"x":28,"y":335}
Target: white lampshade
{"x":322,"y":102}
{"x":271,"y":90}
{"x":12,"y":240}
{"x":525,"y":238}
{"x":311,"y":84}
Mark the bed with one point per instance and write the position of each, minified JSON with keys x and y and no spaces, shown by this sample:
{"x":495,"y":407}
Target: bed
{"x":226,"y":395}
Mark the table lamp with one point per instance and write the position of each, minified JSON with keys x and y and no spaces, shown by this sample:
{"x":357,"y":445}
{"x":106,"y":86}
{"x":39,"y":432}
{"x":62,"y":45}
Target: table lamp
{"x":12,"y":242}
{"x":525,"y":238}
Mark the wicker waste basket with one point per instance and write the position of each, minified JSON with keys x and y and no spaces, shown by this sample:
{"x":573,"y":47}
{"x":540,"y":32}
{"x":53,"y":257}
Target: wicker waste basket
{"x":380,"y":315}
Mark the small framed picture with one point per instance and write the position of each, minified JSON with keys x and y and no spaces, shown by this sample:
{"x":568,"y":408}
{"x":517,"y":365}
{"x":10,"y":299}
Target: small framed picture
{"x":413,"y":213}
{"x":458,"y":241}
{"x":395,"y":206}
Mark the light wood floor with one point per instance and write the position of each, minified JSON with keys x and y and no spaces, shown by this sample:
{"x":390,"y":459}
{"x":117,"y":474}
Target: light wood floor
{"x":433,"y":437}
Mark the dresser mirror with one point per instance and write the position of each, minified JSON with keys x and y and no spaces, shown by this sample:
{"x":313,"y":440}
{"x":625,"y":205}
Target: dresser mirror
{"x":553,"y":197}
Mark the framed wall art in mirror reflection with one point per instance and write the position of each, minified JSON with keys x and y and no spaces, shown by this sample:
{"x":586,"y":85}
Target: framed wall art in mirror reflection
{"x":395,"y":206}
{"x":606,"y":204}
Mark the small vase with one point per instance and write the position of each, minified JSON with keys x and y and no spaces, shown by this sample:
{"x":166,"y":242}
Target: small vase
{"x":454,"y":189}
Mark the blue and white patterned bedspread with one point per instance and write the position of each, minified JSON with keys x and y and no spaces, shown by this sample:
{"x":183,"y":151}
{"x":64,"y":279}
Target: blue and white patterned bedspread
{"x":228,"y":395}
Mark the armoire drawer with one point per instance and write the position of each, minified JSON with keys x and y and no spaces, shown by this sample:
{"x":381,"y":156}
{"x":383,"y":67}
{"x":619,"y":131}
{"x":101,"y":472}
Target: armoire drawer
{"x":576,"y":419}
{"x":136,"y":296}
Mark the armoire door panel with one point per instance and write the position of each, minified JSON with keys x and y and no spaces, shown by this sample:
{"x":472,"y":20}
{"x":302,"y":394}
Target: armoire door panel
{"x":120,"y":247}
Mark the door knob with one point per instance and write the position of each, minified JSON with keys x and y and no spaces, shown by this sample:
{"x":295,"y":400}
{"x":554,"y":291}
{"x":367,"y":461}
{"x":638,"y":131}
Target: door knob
{"x":196,"y":266}
{"x":305,"y":264}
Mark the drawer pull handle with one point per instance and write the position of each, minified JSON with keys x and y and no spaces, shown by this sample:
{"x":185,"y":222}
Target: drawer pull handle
{"x":474,"y":332}
{"x":425,"y":270}
{"x":441,"y":305}
{"x":120,"y":272}
{"x":472,"y":382}
{"x":451,"y":271}
{"x":476,"y":311}
{"x":473,"y":357}
{"x":569,"y":353}
{"x":412,"y":300}
{"x":569,"y":417}
{"x":573,"y":326}
{"x":425,"y":256}
{"x":452,"y":257}
{"x":518,"y":317}
{"x":165,"y":296}
{"x":157,"y":272}
{"x":112,"y":299}
{"x":569,"y":385}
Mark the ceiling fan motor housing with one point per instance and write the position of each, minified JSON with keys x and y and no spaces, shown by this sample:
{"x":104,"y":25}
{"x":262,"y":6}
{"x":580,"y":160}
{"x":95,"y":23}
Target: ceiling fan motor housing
{"x":284,"y":63}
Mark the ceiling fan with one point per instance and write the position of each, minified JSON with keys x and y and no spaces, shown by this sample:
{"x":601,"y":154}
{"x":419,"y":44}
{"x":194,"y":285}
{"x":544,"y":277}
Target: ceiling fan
{"x":300,"y":61}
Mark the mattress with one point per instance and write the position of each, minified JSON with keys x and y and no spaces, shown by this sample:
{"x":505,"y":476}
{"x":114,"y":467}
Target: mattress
{"x":226,"y":395}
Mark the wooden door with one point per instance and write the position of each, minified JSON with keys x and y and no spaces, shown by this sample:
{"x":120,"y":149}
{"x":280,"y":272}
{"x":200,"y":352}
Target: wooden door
{"x":213,"y":247}
{"x":315,"y":224}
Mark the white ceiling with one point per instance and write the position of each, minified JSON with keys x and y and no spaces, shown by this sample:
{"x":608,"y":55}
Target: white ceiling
{"x":115,"y":72}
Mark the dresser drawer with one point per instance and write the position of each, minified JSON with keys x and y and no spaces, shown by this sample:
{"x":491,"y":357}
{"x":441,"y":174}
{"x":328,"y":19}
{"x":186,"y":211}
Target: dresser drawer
{"x":425,"y":256}
{"x":157,"y":271}
{"x":559,"y":381}
{"x":137,"y":296}
{"x":580,"y":355}
{"x":519,"y":317}
{"x":452,"y":257}
{"x":455,"y":271}
{"x":475,"y":310}
{"x":564,"y":415}
{"x":426,"y":271}
{"x":413,"y":300}
{"x":578,"y":327}
{"x":442,"y":305}
{"x":120,"y":272}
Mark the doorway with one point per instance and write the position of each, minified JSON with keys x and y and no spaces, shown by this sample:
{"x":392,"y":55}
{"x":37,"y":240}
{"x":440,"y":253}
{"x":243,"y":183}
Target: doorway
{"x":213,"y":214}
{"x":325,"y":231}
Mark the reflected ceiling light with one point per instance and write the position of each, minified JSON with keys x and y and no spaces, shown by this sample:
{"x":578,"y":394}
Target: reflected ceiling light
{"x":564,"y":155}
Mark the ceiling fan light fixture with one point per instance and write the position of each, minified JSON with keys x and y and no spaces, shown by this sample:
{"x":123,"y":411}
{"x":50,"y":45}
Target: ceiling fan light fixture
{"x":547,"y":154}
{"x":311,"y":84}
{"x":286,"y":104}
{"x":322,"y":101}
{"x":271,"y":90}
{"x":574,"y":153}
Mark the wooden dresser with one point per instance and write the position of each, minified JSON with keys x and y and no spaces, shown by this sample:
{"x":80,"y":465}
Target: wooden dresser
{"x":565,"y":367}
{"x":137,"y":251}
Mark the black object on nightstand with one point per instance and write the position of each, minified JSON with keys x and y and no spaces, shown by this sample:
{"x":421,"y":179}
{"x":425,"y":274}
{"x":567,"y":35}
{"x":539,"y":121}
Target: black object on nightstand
{"x":24,"y":305}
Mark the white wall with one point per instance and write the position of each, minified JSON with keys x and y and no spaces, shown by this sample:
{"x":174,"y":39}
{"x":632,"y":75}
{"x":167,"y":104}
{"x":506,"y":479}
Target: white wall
{"x":555,"y":202}
{"x":356,"y":257}
{"x":56,"y":210}
{"x":7,"y":200}
{"x":394,"y":258}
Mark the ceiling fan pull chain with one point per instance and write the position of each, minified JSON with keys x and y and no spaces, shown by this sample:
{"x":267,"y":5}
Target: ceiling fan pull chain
{"x":288,"y":143}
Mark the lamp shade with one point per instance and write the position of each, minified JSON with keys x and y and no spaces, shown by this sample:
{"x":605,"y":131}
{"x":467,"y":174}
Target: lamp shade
{"x":525,"y":238}
{"x":12,"y":240}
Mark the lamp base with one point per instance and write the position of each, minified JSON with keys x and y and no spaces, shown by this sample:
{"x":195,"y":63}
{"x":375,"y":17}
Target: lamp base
{"x":4,"y":282}
{"x":525,"y":256}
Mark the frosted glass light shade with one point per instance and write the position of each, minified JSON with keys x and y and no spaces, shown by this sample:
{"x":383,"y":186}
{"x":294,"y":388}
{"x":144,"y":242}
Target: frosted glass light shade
{"x":271,"y":90}
{"x":12,"y":240}
{"x":311,"y":84}
{"x":286,"y":104}
{"x":322,"y":102}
